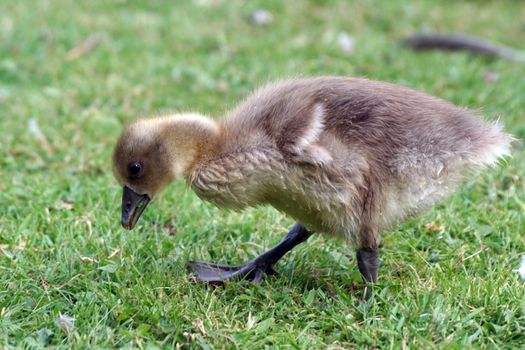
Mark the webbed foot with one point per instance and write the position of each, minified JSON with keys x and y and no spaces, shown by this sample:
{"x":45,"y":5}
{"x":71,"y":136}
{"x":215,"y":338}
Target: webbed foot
{"x":253,"y":270}
{"x":216,"y":273}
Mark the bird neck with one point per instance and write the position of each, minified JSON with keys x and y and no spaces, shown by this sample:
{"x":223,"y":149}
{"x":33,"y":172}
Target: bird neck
{"x":191,"y":137}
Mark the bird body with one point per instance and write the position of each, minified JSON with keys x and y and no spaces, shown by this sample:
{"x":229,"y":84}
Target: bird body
{"x":346,"y":157}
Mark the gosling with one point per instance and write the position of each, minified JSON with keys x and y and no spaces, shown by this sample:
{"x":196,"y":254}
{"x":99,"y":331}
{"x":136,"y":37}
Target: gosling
{"x":345,"y":157}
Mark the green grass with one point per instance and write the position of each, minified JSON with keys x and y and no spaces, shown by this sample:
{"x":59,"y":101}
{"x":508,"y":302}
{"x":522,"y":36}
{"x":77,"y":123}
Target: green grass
{"x":446,"y":278}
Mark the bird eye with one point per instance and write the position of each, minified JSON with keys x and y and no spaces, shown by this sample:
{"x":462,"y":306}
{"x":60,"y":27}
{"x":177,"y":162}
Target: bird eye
{"x":134,"y":169}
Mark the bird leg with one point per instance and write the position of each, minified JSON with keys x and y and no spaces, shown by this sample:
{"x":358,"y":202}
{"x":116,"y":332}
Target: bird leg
{"x":367,"y":261}
{"x":253,"y":270}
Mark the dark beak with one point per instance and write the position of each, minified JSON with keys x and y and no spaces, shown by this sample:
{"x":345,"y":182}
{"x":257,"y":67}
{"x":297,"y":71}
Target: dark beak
{"x":133,"y":204}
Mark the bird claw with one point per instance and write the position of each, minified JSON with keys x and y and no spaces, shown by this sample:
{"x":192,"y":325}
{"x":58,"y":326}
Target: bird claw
{"x":216,"y":273}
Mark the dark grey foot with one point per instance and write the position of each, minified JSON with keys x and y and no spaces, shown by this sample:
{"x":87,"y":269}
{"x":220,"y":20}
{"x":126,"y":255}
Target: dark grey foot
{"x":215,"y":273}
{"x":368,"y":263}
{"x":253,"y":270}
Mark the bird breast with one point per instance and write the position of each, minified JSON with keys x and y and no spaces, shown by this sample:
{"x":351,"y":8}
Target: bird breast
{"x":235,"y":180}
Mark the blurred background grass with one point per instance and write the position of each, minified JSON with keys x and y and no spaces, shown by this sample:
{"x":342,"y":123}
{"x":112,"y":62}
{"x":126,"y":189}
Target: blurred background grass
{"x":73,"y":73}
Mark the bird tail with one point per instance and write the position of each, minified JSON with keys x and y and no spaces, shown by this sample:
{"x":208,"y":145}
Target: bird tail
{"x":493,"y":146}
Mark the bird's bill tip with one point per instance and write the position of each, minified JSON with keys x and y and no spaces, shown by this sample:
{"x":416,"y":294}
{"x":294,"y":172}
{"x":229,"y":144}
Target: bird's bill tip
{"x":133,"y":205}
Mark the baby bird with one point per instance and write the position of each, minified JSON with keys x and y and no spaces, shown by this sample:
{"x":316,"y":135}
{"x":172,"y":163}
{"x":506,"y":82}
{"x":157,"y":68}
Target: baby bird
{"x":345,"y":157}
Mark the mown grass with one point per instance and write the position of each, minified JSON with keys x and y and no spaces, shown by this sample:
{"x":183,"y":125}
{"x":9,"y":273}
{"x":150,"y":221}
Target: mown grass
{"x":446,"y":279}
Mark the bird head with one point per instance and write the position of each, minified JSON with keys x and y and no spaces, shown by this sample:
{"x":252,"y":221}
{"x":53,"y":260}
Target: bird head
{"x":152,"y":153}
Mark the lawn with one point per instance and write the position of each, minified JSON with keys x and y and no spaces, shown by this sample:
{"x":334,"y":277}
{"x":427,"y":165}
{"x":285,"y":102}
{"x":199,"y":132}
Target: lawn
{"x":73,"y":73}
